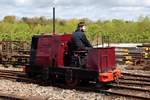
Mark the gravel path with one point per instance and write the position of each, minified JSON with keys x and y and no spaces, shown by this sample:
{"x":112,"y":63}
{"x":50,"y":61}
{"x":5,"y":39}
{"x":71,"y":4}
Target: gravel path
{"x":50,"y":93}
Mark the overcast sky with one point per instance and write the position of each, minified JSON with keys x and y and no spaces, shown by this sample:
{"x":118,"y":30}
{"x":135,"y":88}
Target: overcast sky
{"x":65,"y":9}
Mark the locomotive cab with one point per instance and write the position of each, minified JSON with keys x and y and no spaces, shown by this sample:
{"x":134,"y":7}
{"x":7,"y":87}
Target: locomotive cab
{"x":51,"y":58}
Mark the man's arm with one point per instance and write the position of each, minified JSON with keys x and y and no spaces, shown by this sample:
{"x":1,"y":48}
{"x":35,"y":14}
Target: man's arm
{"x":86,"y":41}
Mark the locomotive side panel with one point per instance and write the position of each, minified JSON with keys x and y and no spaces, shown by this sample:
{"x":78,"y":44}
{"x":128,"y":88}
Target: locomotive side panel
{"x":61,"y":48}
{"x":112,"y":58}
{"x":49,"y":50}
{"x":107,"y":59}
{"x":92,"y":60}
{"x":44,"y":51}
{"x":101,"y":59}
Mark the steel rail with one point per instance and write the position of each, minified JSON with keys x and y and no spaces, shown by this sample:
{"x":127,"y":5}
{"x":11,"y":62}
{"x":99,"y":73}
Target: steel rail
{"x":12,"y":71}
{"x":126,"y":95}
{"x":136,"y":75}
{"x":135,"y":78}
{"x":130,"y":88}
{"x":121,"y":81}
{"x":99,"y":90}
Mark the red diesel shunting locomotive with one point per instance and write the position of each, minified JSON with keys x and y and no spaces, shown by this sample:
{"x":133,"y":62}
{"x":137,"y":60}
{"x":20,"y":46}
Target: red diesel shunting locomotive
{"x":51,"y":58}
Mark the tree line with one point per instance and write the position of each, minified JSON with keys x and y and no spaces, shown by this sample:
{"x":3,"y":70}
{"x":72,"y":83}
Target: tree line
{"x":119,"y":31}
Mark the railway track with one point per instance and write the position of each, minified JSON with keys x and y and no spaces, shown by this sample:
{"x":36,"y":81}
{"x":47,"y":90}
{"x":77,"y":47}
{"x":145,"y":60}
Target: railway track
{"x":19,"y":76}
{"x":4,"y":96}
{"x":134,"y":80}
{"x":130,"y":91}
{"x":120,"y":88}
{"x":135,"y":75}
{"x":11,"y":72}
{"x":131,"y":85}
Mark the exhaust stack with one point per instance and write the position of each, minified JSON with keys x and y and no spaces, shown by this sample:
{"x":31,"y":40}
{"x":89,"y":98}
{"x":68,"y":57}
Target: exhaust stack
{"x":53,"y":20}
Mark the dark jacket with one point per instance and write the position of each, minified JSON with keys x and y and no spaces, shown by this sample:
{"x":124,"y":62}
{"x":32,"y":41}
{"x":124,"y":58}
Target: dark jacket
{"x":79,"y":41}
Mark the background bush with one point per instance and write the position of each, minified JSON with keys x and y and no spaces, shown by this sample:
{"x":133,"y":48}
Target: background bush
{"x":119,"y":31}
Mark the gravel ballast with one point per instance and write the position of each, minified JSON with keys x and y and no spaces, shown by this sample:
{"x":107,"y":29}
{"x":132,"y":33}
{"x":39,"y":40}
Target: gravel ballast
{"x":49,"y":92}
{"x":29,"y":90}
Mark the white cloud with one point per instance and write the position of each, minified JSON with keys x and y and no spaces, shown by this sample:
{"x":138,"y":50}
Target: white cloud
{"x":146,"y":2}
{"x":23,"y":2}
{"x":93,"y":9}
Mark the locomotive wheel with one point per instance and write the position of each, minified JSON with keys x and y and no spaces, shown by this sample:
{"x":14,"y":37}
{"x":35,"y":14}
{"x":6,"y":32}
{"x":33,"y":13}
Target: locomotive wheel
{"x":71,"y":79}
